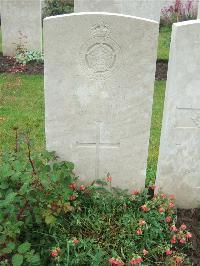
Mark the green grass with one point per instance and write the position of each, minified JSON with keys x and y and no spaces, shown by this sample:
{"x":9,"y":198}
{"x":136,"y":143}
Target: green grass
{"x":164,"y":42}
{"x":156,"y":122}
{"x":22,"y":106}
{"x":0,"y":42}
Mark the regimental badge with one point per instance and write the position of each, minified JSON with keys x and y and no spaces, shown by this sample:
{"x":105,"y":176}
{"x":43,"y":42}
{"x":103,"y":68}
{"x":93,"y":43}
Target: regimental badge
{"x":101,"y":55}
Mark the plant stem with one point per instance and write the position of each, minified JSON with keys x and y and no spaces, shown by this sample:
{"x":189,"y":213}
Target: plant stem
{"x":29,"y":155}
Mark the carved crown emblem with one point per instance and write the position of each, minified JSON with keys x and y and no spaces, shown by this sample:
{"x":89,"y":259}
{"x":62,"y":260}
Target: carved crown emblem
{"x":100,"y":30}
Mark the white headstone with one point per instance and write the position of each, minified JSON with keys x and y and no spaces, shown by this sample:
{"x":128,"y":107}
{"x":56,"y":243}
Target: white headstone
{"x":141,"y":8}
{"x":179,"y":160}
{"x":99,"y":80}
{"x":21,"y":19}
{"x":199,"y":11}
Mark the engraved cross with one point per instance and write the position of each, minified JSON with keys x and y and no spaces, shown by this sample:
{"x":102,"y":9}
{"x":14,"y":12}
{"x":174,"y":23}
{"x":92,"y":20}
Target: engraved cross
{"x":98,"y":145}
{"x":191,"y":119}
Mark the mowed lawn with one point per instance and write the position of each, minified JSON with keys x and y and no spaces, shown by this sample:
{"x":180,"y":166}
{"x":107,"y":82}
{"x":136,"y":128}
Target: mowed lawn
{"x":164,"y":42}
{"x":21,"y":106}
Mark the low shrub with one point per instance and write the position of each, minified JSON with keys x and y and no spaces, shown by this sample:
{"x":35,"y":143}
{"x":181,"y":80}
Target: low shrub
{"x":48,"y":218}
{"x":57,"y":7}
{"x":179,"y":11}
{"x":25,"y":56}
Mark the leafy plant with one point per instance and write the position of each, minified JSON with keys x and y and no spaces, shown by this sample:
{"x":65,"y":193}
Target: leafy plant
{"x":179,"y":11}
{"x":48,"y":218}
{"x":25,"y":56}
{"x":33,"y":192}
{"x":57,"y":7}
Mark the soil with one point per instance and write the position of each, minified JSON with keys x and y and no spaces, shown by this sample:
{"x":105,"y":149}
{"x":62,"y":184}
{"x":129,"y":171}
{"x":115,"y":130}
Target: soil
{"x":9,"y":65}
{"x":192,"y":219}
{"x":161,"y":69}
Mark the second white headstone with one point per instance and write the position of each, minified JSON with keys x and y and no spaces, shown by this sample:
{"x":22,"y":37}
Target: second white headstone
{"x":143,"y":8}
{"x":21,"y":24}
{"x":178,"y":165}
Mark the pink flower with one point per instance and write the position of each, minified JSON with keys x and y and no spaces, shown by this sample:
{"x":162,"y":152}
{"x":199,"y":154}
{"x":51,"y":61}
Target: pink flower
{"x":82,"y":187}
{"x":145,"y":252}
{"x":183,"y":226}
{"x":182,"y":240}
{"x":168,"y":219}
{"x":135,"y":261}
{"x":73,"y":186}
{"x":115,"y":261}
{"x":161,"y":210}
{"x":171,"y":196}
{"x":173,"y":240}
{"x":54,"y":253}
{"x":163,"y":196}
{"x":112,"y":261}
{"x":72,"y":198}
{"x":179,"y":260}
{"x":155,"y":195}
{"x":173,"y":228}
{"x":153,"y":187}
{"x":135,"y":192}
{"x":109,"y":178}
{"x":139,"y":231}
{"x":171,"y":205}
{"x":188,"y":235}
{"x":142,"y":222}
{"x":75,"y":241}
{"x":168,"y":252}
{"x":144,"y":208}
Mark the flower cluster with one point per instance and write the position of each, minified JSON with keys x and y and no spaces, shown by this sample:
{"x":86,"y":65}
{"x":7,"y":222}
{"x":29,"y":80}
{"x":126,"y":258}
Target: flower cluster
{"x":55,"y":252}
{"x":74,"y":187}
{"x":136,"y":260}
{"x":181,"y":236}
{"x":116,"y":262}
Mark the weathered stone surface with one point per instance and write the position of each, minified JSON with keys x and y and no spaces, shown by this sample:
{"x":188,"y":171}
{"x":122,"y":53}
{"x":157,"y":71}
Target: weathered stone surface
{"x":178,"y":167}
{"x":21,"y":19}
{"x":143,"y":8}
{"x":99,"y":79}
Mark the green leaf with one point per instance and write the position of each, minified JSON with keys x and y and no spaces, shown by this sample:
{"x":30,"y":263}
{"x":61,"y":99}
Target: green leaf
{"x":11,"y":245}
{"x":6,"y":250}
{"x":4,"y":185}
{"x":5,"y":170}
{"x":9,"y":199}
{"x":54,"y":177}
{"x":49,"y":218}
{"x":68,"y":192}
{"x":17,"y":260}
{"x":23,"y":248}
{"x":34,"y":260}
{"x":18,"y":166}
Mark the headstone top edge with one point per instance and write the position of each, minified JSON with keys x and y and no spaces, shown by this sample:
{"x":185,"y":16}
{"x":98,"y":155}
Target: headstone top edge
{"x":100,"y":13}
{"x":186,"y":23}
